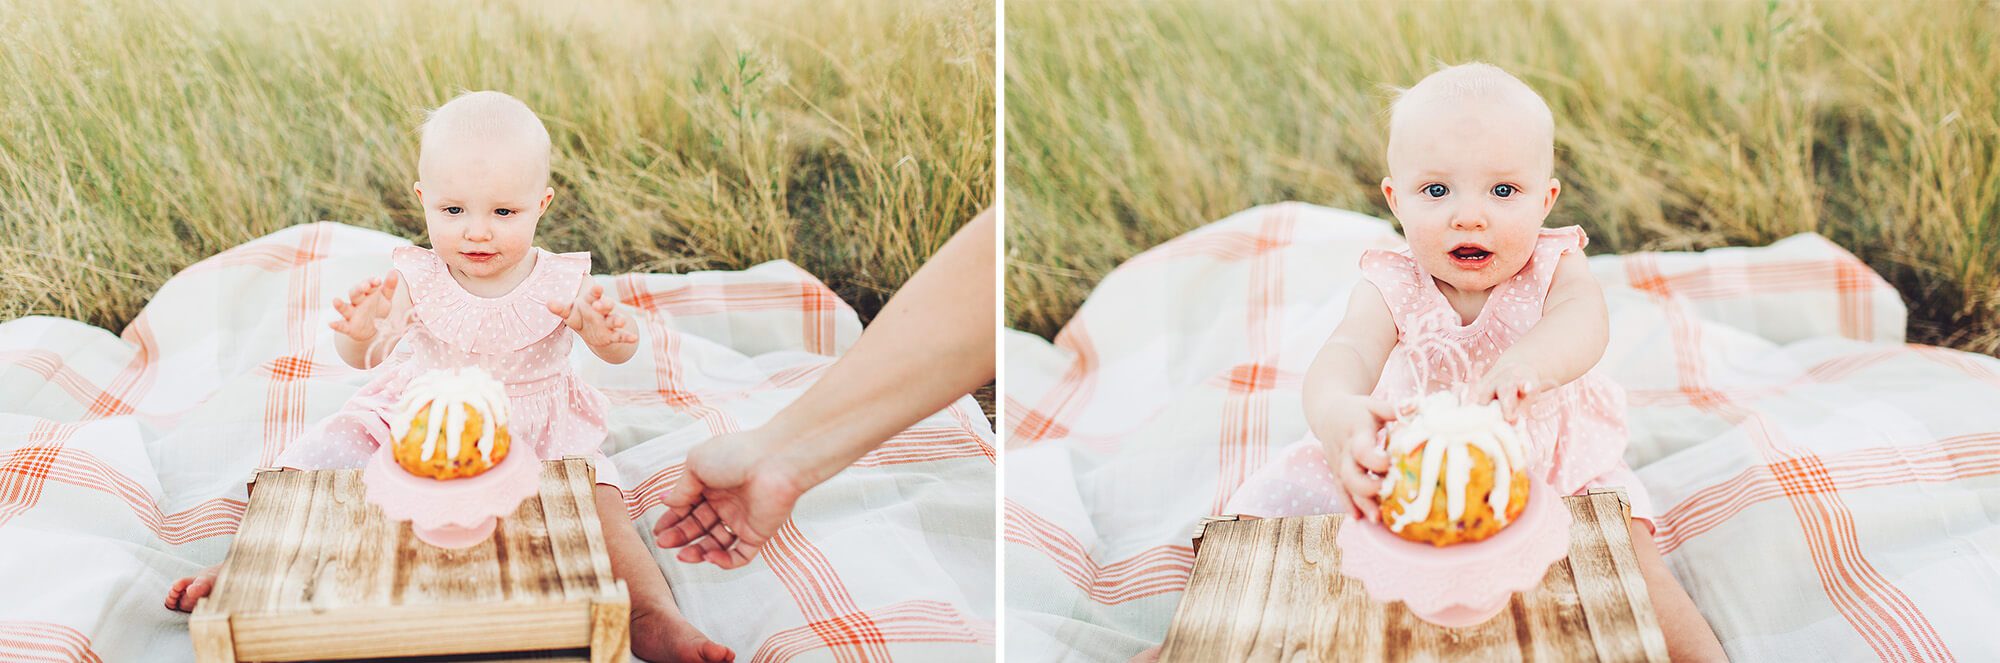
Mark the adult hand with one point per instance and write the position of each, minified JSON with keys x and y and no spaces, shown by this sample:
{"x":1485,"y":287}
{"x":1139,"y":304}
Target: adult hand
{"x":735,"y":492}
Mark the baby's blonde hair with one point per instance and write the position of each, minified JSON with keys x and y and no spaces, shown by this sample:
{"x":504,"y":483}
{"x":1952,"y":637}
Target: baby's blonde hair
{"x":485,"y":117}
{"x":1472,"y":82}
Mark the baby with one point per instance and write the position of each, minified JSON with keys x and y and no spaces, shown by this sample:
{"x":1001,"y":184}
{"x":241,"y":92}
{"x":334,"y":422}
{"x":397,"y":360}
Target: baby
{"x":1471,"y":164}
{"x":483,"y":295}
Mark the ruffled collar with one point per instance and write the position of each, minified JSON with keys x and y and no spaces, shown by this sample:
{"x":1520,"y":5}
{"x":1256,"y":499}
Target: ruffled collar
{"x":489,"y":324}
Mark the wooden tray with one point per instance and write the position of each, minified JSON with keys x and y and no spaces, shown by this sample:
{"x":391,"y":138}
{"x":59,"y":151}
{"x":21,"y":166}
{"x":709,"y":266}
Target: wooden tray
{"x":317,"y":573}
{"x":1272,"y":590}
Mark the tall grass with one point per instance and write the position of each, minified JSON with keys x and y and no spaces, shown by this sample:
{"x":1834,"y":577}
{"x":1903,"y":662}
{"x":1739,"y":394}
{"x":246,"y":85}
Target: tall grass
{"x":140,"y":136}
{"x":1680,"y":126}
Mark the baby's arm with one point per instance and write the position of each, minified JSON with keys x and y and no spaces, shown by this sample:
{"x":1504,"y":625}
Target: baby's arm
{"x":371,"y":301}
{"x":1564,"y":345}
{"x":1350,"y":361}
{"x":1339,"y":409}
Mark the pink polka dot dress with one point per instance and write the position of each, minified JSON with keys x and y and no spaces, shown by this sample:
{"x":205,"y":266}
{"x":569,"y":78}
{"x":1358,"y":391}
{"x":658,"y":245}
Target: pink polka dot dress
{"x":1576,"y":433}
{"x":513,"y":337}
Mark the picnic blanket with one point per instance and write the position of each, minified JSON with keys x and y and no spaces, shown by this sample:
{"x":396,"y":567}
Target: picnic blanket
{"x":123,"y":458}
{"x":1828,"y":493}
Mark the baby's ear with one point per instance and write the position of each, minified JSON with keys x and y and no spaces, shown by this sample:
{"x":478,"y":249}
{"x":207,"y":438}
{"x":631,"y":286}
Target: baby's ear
{"x":418,"y":186}
{"x":1555,"y":190}
{"x":1389,"y":193}
{"x":548,"y":194}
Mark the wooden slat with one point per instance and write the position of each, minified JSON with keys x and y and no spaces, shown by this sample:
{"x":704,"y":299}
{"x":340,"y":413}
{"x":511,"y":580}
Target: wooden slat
{"x":212,"y":641}
{"x":568,"y":554}
{"x":258,"y":549}
{"x":583,"y":484}
{"x":411,"y":631}
{"x":522,"y":551}
{"x":1547,"y":619}
{"x":1272,"y":590}
{"x":1613,"y":515}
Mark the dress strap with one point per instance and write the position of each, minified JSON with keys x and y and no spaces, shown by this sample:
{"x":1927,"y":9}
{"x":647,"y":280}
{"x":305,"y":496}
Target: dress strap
{"x":1550,"y":245}
{"x":1396,"y":274}
{"x":420,"y":269}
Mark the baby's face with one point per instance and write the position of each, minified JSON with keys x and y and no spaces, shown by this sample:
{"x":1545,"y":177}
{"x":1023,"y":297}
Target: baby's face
{"x":1471,"y":189}
{"x":481,"y":204}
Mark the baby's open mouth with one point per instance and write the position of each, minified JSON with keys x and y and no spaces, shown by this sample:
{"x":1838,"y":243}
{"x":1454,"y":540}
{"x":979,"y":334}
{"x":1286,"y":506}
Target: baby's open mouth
{"x":1468,"y":255}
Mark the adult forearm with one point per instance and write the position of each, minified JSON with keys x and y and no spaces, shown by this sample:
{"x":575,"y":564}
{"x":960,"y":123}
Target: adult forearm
{"x":932,"y":344}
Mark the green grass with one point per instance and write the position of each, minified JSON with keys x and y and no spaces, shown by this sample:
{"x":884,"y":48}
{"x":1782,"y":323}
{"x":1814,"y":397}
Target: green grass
{"x":140,"y":136}
{"x":1680,"y":126}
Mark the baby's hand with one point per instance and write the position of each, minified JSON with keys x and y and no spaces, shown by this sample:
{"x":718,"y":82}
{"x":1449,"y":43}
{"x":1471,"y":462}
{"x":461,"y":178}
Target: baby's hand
{"x":1512,"y":383}
{"x":594,"y":318}
{"x":365,"y":305}
{"x":1348,"y":428}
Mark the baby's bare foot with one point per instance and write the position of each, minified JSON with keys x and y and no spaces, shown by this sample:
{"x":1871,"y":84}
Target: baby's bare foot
{"x":186,"y":591}
{"x":666,"y":636}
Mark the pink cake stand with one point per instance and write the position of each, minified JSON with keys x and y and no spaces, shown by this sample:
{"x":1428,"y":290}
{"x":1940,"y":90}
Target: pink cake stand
{"x":453,"y":513}
{"x":1463,"y":584}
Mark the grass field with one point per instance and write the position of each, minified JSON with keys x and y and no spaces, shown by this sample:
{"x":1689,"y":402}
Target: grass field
{"x":1680,"y":126}
{"x":140,"y":136}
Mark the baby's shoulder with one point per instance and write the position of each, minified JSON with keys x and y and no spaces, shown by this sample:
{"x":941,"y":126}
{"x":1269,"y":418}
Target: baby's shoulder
{"x":1389,"y":269}
{"x":1561,"y":240}
{"x":412,"y":260}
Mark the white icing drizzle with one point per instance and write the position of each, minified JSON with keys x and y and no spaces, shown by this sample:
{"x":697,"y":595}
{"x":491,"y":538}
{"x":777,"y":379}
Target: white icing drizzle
{"x":1449,"y":429}
{"x":455,"y":390}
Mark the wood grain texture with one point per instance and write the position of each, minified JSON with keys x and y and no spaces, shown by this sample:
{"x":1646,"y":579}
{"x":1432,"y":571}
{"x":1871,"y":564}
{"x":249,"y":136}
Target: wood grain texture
{"x":1265,"y":590}
{"x":316,"y":572}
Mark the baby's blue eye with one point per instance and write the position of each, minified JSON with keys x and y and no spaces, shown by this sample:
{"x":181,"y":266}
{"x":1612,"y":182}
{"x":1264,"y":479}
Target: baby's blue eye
{"x":1504,"y":190}
{"x":504,"y":212}
{"x":454,"y":210}
{"x":1435,"y":190}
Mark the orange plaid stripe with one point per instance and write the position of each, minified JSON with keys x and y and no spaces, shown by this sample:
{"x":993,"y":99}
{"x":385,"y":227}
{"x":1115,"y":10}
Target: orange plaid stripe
{"x":1152,"y":572}
{"x":1036,"y":426}
{"x":45,"y":458}
{"x":817,"y":304}
{"x":1880,"y":612}
{"x":289,"y":368}
{"x":27,"y":468}
{"x":1042,"y":422}
{"x":284,"y":401}
{"x":849,"y":633}
{"x":712,"y":298}
{"x":267,"y":257}
{"x":909,"y":621}
{"x":52,"y":368}
{"x":927,"y":444}
{"x":1950,"y":459}
{"x":136,"y":376}
{"x":1803,"y":476}
{"x":1246,"y":415}
{"x":43,"y":641}
{"x":1226,"y":246}
{"x":1247,"y":378}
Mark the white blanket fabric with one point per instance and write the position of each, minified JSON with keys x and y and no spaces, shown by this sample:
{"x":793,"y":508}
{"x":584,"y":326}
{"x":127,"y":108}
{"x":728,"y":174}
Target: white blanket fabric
{"x":123,"y":458}
{"x":1828,"y":493}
